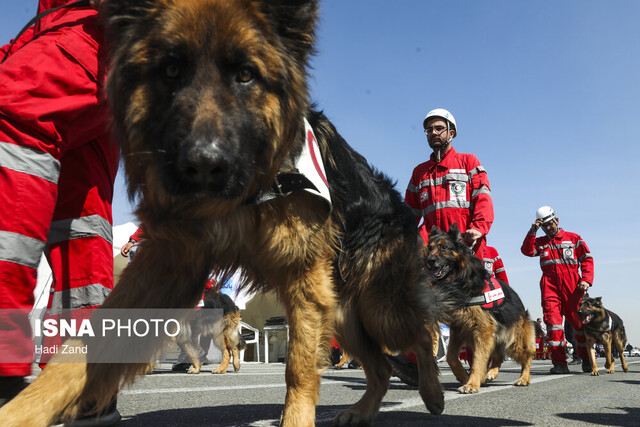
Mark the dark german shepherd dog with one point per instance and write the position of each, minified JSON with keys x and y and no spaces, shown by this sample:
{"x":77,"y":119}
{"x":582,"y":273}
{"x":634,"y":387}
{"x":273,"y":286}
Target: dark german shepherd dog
{"x":602,"y":326}
{"x":209,"y":99}
{"x":223,"y":330}
{"x":505,"y":324}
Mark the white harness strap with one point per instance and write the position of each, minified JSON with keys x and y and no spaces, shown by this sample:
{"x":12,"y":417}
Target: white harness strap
{"x":308,"y":173}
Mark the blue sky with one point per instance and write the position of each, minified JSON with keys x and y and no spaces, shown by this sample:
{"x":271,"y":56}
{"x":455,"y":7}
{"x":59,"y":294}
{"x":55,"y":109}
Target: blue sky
{"x":545,"y":93}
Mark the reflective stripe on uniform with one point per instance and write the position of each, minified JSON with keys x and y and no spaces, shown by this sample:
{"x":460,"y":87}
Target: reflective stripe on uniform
{"x":82,"y":297}
{"x":585,"y":256}
{"x":20,"y":249}
{"x":500,"y":270}
{"x":555,"y":343}
{"x":476,"y":170}
{"x":29,"y":161}
{"x":481,"y":190}
{"x":78,"y":228}
{"x":559,"y":261}
{"x":442,"y":205}
{"x":555,"y":328}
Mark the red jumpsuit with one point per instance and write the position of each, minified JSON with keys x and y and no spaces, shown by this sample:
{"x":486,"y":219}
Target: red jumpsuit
{"x":562,"y":259}
{"x":494,"y":265}
{"x":454,"y":190}
{"x":57,"y":169}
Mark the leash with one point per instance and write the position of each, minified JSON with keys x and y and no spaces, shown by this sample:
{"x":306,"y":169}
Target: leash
{"x":77,"y":3}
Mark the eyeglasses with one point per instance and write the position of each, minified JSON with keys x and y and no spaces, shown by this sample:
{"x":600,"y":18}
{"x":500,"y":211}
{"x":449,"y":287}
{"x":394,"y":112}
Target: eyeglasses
{"x":434,"y":129}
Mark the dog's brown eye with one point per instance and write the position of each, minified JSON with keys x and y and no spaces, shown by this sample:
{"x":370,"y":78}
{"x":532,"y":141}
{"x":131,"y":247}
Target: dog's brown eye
{"x":172,"y":71}
{"x":245,"y":75}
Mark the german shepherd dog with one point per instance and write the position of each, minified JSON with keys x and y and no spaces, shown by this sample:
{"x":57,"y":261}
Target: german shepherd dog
{"x":209,"y":99}
{"x":454,"y":267}
{"x":602,"y":326}
{"x":224,"y":331}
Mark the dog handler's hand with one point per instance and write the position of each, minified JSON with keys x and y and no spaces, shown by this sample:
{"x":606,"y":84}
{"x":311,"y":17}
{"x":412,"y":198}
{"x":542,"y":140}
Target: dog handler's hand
{"x":470,"y":236}
{"x":583,"y":285}
{"x":536,"y":224}
{"x":124,"y":251}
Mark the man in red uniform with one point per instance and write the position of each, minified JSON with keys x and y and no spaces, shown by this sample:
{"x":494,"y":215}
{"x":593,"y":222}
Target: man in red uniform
{"x":567,"y":272}
{"x":57,"y":169}
{"x":494,"y":265}
{"x":449,"y":188}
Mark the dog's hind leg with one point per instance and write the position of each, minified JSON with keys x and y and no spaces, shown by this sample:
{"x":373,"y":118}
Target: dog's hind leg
{"x":619,"y":344}
{"x":523,"y":349}
{"x":226,"y":358}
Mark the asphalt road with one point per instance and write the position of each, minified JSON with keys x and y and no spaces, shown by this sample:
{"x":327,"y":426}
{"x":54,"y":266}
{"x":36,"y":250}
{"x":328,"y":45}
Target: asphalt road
{"x":255,"y":395}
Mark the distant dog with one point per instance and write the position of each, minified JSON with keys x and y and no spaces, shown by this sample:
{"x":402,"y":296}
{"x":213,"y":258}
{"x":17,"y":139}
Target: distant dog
{"x":224,"y":331}
{"x":233,"y":169}
{"x":602,"y":326}
{"x":488,"y":315}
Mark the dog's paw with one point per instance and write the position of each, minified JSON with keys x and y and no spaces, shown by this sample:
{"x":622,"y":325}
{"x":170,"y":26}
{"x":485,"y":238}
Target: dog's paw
{"x":436,"y":406}
{"x":522,"y":382}
{"x":468,"y":389}
{"x":193,"y":370}
{"x":349,"y":417}
{"x":595,"y":373}
{"x":610,"y":371}
{"x":491,"y":376}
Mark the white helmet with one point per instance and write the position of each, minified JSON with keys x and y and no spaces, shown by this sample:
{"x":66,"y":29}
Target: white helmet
{"x":545,"y":213}
{"x":441,"y":112}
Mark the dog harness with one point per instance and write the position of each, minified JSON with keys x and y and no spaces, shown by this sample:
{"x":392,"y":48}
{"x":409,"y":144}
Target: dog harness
{"x":308,"y":173}
{"x":492,"y":296}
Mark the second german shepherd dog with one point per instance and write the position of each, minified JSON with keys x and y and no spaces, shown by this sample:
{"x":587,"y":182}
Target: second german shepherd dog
{"x":211,"y":105}
{"x":602,"y":326}
{"x":224,"y":331}
{"x":454,"y":267}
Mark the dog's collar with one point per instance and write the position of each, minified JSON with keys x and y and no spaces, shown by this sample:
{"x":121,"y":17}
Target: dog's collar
{"x":606,"y":331}
{"x":308,"y":173}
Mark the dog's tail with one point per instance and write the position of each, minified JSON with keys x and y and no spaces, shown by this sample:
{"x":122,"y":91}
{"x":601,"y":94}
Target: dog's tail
{"x":242,"y":343}
{"x":539,"y":331}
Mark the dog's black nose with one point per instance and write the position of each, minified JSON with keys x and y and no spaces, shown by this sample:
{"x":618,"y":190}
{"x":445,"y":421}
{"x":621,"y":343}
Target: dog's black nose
{"x":204,"y":164}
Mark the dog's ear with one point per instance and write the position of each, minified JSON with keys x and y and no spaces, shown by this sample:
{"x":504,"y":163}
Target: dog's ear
{"x":598,"y":301}
{"x":118,"y":15}
{"x":295,"y":22}
{"x":434,"y":230}
{"x":454,"y":232}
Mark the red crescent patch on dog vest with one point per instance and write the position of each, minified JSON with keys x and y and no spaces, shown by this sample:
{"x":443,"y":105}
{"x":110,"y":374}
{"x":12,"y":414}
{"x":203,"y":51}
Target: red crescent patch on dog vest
{"x":493,"y":294}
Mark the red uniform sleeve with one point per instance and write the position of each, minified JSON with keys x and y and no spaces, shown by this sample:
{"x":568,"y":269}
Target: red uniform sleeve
{"x":482,"y":216}
{"x":529,"y":245}
{"x":499,"y":270}
{"x":25,"y":37}
{"x":586,"y":260}
{"x":411,"y":196}
{"x":137,"y":235}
